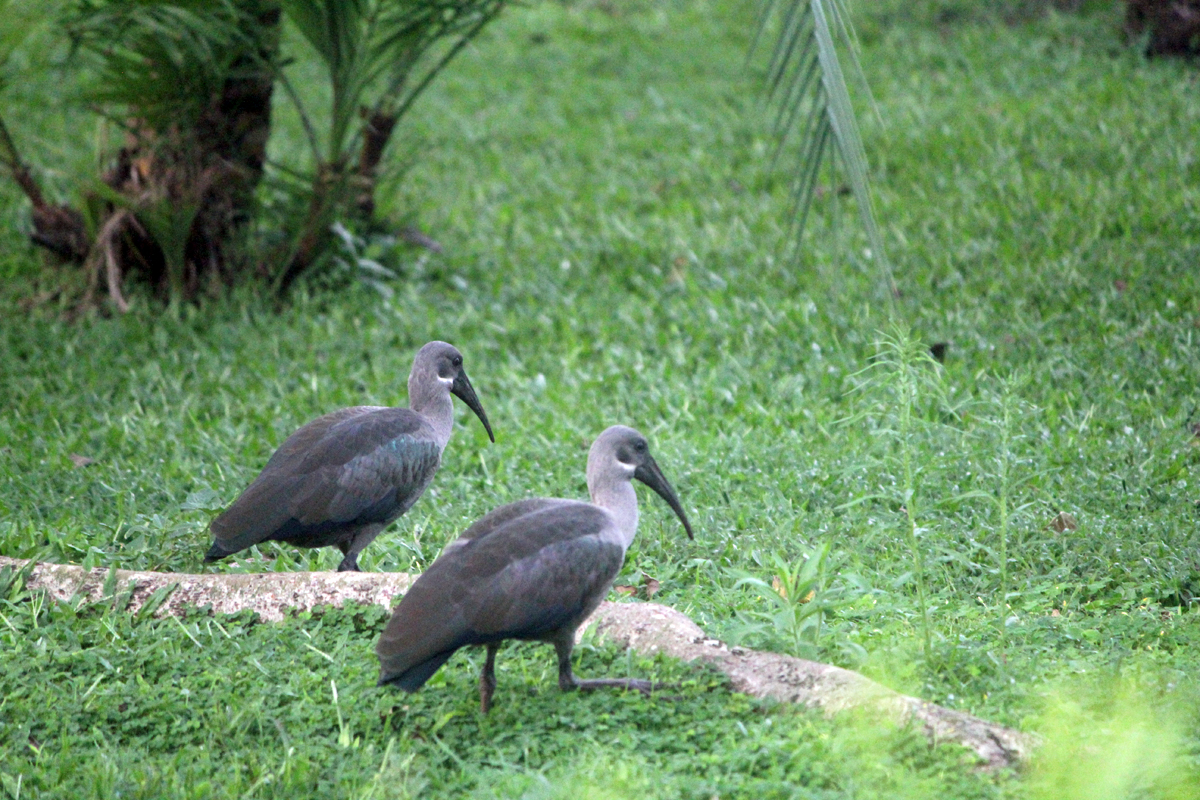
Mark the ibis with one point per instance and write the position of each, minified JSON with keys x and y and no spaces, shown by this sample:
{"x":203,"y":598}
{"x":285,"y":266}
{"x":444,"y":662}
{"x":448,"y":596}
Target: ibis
{"x":344,"y":477}
{"x":531,"y":570}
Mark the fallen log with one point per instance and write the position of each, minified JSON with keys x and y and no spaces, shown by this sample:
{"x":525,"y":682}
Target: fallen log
{"x":647,"y":628}
{"x":654,"y":628}
{"x":272,"y":595}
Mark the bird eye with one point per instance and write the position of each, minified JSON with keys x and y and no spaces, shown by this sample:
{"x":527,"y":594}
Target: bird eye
{"x":640,"y":447}
{"x":456,"y":361}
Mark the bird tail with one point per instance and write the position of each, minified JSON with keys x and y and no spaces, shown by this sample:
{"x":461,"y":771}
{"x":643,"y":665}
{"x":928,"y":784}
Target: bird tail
{"x":216,"y":553}
{"x":414,"y":678}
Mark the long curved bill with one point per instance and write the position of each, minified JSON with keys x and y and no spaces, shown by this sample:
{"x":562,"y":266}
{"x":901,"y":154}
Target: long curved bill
{"x":462,"y":389}
{"x":652,"y":476}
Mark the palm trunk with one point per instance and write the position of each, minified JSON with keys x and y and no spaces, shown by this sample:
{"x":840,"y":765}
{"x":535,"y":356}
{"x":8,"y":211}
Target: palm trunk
{"x":1173,"y":25}
{"x":314,"y":232}
{"x":59,"y":229}
{"x":191,"y":189}
{"x":376,"y":133}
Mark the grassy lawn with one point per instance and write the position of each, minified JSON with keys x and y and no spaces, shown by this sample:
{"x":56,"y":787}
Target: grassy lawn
{"x":1015,"y":533}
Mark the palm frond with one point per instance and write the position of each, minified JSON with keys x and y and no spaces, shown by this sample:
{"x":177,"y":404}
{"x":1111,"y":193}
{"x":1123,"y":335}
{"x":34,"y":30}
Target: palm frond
{"x":21,"y":21}
{"x":813,"y":116}
{"x":410,"y":33}
{"x":164,"y":61}
{"x":380,"y":54}
{"x":19,"y":25}
{"x":339,"y":32}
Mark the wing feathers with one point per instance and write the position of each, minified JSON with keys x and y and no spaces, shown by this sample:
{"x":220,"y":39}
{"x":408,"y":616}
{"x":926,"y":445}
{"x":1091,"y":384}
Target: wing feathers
{"x":496,"y":518}
{"x":352,"y":467}
{"x":414,"y":678}
{"x":525,"y":577}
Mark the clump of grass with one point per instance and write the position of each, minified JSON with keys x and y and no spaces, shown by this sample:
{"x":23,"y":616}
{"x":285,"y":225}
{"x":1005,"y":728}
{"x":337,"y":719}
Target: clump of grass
{"x":229,"y":707}
{"x":397,"y":777}
{"x":595,"y":776}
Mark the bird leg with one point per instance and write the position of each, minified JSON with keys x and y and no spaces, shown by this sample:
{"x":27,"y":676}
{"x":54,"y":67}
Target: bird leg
{"x":487,"y":679}
{"x":568,"y":682}
{"x":349,"y":560}
{"x":354,"y":545}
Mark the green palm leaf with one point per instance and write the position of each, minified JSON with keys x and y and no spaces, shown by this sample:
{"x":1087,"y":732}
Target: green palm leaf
{"x":813,"y":112}
{"x":371,"y":49}
{"x":144,"y":51}
{"x":379,"y":55}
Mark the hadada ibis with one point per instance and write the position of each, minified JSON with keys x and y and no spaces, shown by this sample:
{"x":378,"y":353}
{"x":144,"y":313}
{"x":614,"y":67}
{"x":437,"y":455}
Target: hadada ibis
{"x":344,"y":477}
{"x":531,"y":570}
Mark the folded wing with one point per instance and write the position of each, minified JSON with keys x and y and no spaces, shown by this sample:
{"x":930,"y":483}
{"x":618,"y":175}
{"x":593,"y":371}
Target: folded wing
{"x":351,"y":467}
{"x":525,"y":577}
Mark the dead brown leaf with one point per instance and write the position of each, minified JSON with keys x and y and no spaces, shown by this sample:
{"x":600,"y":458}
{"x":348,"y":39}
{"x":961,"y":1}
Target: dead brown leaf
{"x":823,"y":190}
{"x":781,"y":590}
{"x":1064,"y":522}
{"x":646,"y":588}
{"x":80,"y":461}
{"x":665,"y":185}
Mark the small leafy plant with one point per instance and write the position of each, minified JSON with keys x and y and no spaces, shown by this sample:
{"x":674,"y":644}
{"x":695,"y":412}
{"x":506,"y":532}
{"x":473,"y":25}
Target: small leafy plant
{"x":799,"y":596}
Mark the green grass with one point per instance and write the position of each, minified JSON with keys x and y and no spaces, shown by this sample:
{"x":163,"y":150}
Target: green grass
{"x":599,"y":176}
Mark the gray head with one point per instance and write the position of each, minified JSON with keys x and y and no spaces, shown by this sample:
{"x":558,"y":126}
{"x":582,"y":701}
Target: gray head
{"x":622,"y":454}
{"x":438,"y":368}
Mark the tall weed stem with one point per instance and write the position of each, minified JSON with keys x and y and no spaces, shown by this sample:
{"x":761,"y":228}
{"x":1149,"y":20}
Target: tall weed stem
{"x":1010,"y":408}
{"x":906,"y":364}
{"x":1002,"y":503}
{"x":904,"y":378}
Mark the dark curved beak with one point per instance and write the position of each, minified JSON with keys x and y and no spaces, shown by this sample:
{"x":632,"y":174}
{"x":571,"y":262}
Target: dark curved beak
{"x":652,"y":476}
{"x":462,"y":389}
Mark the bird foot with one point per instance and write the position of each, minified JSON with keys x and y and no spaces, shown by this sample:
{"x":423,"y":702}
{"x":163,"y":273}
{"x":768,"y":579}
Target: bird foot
{"x":629,"y":684}
{"x":349,"y":566}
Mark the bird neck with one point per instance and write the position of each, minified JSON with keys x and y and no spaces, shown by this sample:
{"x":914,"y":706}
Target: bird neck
{"x":430,"y":398}
{"x":618,"y":498}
